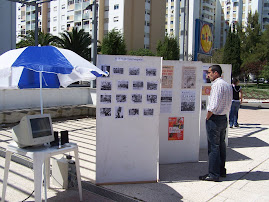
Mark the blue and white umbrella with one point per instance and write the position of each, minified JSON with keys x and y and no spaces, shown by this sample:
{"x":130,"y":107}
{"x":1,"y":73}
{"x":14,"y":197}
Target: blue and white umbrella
{"x":44,"y":67}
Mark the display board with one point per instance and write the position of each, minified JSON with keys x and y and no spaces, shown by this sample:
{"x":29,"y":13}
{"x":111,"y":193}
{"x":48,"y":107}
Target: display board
{"x":179,"y":112}
{"x":127,"y":113}
{"x":205,"y":87}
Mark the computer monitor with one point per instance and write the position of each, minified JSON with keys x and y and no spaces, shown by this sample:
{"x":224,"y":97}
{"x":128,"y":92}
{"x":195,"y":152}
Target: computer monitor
{"x":33,"y":130}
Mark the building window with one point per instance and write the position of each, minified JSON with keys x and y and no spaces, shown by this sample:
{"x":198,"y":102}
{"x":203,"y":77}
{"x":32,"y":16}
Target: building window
{"x":54,"y":18}
{"x":55,"y":8}
{"x":54,"y":29}
{"x":171,"y":22}
{"x":62,"y":27}
{"x":63,"y":6}
{"x":63,"y":17}
{"x":70,"y":2}
{"x":116,"y":19}
{"x":116,"y":6}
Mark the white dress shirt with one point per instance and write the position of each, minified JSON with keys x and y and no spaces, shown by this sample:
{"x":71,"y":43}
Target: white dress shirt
{"x":220,"y":99}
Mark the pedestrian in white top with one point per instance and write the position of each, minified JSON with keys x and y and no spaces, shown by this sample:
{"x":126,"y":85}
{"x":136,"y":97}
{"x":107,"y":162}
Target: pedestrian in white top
{"x":219,"y":104}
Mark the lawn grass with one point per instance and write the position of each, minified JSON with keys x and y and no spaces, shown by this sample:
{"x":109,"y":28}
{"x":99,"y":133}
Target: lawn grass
{"x":252,"y":91}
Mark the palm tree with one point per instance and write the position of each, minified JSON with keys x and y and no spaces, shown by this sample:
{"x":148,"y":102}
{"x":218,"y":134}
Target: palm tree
{"x":44,"y":39}
{"x":77,"y":41}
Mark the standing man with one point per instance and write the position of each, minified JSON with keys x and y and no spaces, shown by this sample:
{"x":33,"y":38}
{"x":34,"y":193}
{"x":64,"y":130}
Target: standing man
{"x":219,"y":104}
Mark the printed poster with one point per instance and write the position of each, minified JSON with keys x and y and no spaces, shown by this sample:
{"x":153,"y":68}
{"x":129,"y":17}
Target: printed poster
{"x":166,"y":101}
{"x":205,"y":76}
{"x":175,"y":128}
{"x":188,"y":101}
{"x":206,"y":90}
{"x":188,"y":77}
{"x":167,"y":76}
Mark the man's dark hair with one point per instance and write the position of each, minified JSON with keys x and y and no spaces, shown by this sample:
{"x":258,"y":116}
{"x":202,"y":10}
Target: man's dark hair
{"x":216,"y":68}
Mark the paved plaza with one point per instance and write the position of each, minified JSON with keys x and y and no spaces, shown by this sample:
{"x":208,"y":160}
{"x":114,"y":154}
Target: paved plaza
{"x":247,"y":168}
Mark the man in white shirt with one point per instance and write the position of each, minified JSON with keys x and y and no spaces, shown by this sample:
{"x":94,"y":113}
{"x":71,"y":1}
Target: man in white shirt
{"x":219,"y":104}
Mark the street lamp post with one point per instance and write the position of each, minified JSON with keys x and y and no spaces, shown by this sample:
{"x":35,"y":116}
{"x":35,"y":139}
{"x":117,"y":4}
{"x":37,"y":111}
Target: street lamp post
{"x":94,"y":33}
{"x":94,"y":7}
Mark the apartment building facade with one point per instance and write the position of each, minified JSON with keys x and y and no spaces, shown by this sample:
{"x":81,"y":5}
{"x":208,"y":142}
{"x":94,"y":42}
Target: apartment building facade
{"x":140,"y":21}
{"x":143,"y":22}
{"x":220,"y":13}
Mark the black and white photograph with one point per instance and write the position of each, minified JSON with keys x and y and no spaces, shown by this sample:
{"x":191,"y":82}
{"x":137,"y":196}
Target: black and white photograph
{"x":203,"y":105}
{"x":138,"y":85}
{"x":105,"y":111}
{"x":137,"y":98}
{"x":118,"y":70}
{"x":152,"y":85}
{"x":187,"y":101}
{"x":118,"y":112}
{"x":105,"y":68}
{"x":148,"y":112}
{"x":106,"y":99}
{"x":121,"y":98}
{"x":151,"y":72}
{"x":122,"y":85}
{"x":166,"y":101}
{"x":134,"y":71}
{"x":133,"y":112}
{"x":106,"y":85}
{"x":187,"y":106}
{"x":151,"y":99}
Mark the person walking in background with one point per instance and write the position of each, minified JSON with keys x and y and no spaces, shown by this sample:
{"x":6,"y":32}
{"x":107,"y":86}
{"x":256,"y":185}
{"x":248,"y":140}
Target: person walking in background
{"x":219,"y":104}
{"x":237,"y":100}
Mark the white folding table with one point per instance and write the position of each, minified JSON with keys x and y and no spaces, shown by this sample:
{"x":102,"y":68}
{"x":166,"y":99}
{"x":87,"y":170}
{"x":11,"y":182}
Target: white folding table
{"x":41,"y":157}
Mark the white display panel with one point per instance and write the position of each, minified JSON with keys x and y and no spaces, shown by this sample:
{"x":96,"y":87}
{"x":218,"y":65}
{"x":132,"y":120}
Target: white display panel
{"x":127,"y":113}
{"x":205,"y":89}
{"x":180,"y":107}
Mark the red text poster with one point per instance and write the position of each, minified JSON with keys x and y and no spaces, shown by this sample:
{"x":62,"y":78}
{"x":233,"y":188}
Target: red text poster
{"x":175,"y":128}
{"x":167,"y":76}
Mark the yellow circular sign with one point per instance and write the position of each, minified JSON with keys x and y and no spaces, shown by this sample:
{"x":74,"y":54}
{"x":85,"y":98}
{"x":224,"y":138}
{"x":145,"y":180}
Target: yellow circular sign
{"x":206,"y":38}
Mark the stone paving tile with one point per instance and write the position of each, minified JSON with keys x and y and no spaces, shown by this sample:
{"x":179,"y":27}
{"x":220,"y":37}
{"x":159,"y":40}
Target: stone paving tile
{"x":247,"y":167}
{"x":239,"y":195}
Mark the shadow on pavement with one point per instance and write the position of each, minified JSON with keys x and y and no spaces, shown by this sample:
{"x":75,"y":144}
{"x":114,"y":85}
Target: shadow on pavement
{"x":242,"y":142}
{"x":252,"y":176}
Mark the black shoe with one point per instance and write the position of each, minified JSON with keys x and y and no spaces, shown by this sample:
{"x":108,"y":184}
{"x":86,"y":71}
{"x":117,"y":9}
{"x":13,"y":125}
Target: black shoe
{"x":223,"y":175}
{"x":223,"y":172}
{"x":208,"y":178}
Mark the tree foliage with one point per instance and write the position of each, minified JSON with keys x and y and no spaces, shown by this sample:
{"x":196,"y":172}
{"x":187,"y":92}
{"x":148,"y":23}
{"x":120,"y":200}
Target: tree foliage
{"x":168,"y":49}
{"x":231,"y":54}
{"x":217,"y":56}
{"x":142,"y":52}
{"x":113,"y":44}
{"x":254,"y":47}
{"x":44,"y":39}
{"x":78,"y":41}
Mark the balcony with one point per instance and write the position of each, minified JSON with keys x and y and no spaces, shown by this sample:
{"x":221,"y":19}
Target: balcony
{"x":86,"y":16}
{"x":78,"y":18}
{"x":71,"y":7}
{"x":78,"y":6}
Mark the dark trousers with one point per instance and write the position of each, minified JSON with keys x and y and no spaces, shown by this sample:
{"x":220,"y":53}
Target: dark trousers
{"x":216,"y":132}
{"x":233,"y":117}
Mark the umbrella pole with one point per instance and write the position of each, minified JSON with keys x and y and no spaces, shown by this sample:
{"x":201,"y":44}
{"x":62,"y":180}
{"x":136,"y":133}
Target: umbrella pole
{"x":40,"y":90}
